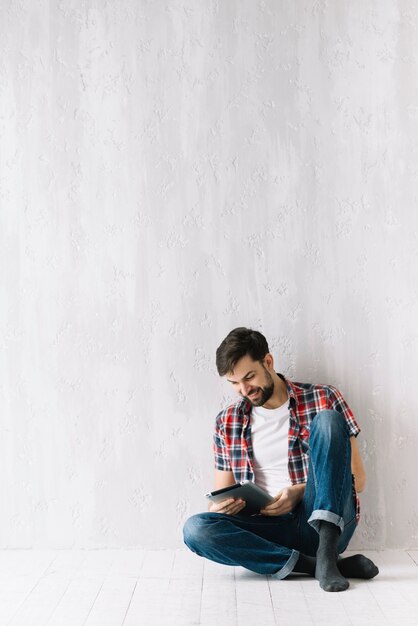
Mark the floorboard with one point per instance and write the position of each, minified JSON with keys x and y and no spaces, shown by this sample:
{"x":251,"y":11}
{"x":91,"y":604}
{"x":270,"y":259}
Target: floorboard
{"x":178,"y":588}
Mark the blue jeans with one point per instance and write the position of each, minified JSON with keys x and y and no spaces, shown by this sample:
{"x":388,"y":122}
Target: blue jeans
{"x":271,"y":545}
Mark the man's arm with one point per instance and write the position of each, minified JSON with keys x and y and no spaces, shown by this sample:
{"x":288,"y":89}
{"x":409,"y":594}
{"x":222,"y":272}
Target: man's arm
{"x":357,"y":466}
{"x":223,"y":479}
{"x":337,"y":403}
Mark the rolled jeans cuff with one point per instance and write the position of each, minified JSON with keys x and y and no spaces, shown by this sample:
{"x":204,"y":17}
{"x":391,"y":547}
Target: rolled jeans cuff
{"x":288,"y":566}
{"x":319,"y":516}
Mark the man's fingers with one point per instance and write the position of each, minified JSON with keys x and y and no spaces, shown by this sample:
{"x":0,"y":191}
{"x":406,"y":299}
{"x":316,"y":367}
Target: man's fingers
{"x":221,"y":506}
{"x":234,"y":508}
{"x":237,"y":506}
{"x":269,"y":512}
{"x":228,"y":507}
{"x":273,"y":504}
{"x":270,"y":507}
{"x":273,"y":510}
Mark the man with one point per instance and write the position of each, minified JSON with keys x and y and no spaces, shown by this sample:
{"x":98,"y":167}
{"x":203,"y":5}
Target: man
{"x":298,"y":442}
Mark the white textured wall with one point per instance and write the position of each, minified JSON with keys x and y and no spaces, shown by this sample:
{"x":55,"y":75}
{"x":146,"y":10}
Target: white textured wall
{"x":170,"y":170}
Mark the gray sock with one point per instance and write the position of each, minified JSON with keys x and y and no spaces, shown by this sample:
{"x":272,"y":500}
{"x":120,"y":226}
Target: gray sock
{"x":326,"y":570}
{"x":356,"y":566}
{"x":305,"y":565}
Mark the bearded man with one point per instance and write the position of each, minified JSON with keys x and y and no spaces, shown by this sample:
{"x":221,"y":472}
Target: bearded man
{"x":298,"y":442}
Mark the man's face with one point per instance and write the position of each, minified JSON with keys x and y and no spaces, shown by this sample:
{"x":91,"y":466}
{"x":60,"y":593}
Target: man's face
{"x":252,"y":379}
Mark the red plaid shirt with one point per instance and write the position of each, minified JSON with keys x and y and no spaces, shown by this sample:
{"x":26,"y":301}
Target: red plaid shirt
{"x":232,"y":443}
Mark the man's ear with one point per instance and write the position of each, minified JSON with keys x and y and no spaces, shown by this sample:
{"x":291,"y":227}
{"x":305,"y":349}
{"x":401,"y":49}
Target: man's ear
{"x":268,"y":361}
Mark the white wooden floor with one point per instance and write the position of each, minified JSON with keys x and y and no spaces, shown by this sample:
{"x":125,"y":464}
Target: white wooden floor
{"x":132,"y":587}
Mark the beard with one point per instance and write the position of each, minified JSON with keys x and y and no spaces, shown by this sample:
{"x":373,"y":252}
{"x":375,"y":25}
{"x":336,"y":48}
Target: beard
{"x":262,"y":394}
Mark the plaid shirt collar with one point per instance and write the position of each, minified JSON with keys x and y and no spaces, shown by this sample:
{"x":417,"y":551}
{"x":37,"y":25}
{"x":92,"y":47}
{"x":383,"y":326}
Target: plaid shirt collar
{"x":291,"y":390}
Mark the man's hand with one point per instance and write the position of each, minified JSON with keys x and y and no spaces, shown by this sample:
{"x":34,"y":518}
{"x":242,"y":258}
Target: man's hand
{"x":285,"y":501}
{"x":231,"y":506}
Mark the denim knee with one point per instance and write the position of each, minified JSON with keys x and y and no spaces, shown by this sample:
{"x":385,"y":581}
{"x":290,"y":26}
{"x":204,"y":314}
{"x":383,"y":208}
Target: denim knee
{"x":329,"y":422}
{"x":196,"y":530}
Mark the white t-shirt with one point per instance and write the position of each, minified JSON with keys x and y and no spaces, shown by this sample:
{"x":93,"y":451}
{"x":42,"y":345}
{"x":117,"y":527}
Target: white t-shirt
{"x":269,"y":435}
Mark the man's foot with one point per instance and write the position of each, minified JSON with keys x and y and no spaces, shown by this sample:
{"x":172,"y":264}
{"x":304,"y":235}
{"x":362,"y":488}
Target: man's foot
{"x":326,"y":571}
{"x":357,"y":566}
{"x":305,"y":565}
{"x":329,"y":576}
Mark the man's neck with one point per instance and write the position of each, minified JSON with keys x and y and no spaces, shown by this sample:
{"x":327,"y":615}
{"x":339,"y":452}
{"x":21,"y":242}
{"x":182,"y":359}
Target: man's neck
{"x":280,"y":394}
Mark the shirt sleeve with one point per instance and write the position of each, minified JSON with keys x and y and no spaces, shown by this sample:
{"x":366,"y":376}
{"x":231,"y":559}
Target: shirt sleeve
{"x":337,"y":403}
{"x":220,"y":449}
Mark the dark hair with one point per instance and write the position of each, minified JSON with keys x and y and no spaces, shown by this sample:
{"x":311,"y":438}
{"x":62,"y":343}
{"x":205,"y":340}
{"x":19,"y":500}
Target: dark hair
{"x":238,"y":343}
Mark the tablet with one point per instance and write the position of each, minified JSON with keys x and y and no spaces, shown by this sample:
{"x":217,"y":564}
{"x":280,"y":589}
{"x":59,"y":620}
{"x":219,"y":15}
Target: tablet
{"x":255,"y":497}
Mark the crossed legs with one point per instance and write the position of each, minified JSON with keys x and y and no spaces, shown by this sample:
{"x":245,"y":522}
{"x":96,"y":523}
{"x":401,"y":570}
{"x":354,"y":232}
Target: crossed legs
{"x":310,"y":538}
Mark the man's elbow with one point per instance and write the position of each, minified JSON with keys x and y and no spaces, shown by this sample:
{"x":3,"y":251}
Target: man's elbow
{"x":360,"y":482}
